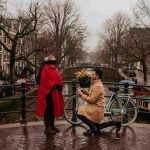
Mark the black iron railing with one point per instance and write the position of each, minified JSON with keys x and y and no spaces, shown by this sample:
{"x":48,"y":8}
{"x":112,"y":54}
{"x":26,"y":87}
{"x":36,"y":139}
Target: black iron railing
{"x":74,"y":84}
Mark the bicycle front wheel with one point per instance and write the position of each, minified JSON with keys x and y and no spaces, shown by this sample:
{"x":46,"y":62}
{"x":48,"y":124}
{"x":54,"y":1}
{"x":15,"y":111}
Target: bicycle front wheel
{"x":71,"y":106}
{"x":124,"y":110}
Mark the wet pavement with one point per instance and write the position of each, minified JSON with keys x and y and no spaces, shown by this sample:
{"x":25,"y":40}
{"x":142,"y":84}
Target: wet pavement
{"x":32,"y":137}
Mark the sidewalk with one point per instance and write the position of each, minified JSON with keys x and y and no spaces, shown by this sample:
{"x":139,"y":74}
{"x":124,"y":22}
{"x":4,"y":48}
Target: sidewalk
{"x":140,"y":78}
{"x":31,"y":137}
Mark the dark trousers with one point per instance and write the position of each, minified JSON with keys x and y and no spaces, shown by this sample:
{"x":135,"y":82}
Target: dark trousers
{"x":96,"y":126}
{"x":49,"y":113}
{"x":88,"y":122}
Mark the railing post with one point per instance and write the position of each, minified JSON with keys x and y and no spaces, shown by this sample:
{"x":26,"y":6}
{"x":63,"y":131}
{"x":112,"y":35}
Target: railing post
{"x":23,"y":104}
{"x":74,"y":89}
{"x":135,"y":80}
{"x":126,"y":90}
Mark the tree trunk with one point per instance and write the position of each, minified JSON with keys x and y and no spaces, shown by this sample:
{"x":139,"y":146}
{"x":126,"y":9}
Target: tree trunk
{"x":116,"y":59}
{"x":12,"y":68}
{"x":12,"y":63}
{"x":144,"y":70}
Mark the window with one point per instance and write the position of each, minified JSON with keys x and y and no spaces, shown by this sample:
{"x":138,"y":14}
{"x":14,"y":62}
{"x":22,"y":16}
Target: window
{"x":1,"y":33}
{"x":5,"y":39}
{"x":9,"y":42}
{"x":1,"y":48}
{"x":3,"y":67}
{"x":7,"y":68}
{"x":0,"y":60}
{"x":4,"y":53}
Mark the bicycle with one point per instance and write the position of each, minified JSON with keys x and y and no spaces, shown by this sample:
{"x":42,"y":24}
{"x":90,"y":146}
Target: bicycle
{"x":120,"y":107}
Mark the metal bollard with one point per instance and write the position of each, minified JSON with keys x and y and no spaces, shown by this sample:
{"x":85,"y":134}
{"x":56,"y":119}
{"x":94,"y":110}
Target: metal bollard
{"x":74,"y":88}
{"x":23,"y":106}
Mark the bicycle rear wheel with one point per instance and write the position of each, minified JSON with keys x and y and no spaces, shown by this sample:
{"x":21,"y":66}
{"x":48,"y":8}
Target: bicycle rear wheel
{"x":71,"y":106}
{"x":123,"y":110}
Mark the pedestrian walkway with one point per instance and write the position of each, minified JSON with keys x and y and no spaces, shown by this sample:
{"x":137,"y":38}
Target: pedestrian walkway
{"x":32,"y":137}
{"x":140,"y":78}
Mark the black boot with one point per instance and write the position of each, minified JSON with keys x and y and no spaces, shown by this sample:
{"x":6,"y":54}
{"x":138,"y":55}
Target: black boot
{"x":93,"y":129}
{"x":54,"y":128}
{"x":46,"y":122}
{"x":49,"y":130}
{"x":118,"y":126}
{"x":109,"y":124}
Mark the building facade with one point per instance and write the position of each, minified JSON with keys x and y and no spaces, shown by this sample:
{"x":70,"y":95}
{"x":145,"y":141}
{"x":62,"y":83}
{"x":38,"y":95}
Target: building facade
{"x":5,"y":55}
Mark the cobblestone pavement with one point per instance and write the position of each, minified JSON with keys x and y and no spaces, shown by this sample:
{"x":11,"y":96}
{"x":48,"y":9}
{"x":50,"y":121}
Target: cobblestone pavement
{"x":71,"y":138}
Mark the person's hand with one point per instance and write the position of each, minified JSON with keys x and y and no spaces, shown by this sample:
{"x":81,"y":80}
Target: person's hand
{"x":80,"y":93}
{"x":84,"y":92}
{"x":58,"y":87}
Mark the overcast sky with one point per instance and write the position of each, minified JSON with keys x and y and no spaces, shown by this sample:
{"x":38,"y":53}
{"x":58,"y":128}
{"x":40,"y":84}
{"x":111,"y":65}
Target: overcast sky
{"x":93,"y":13}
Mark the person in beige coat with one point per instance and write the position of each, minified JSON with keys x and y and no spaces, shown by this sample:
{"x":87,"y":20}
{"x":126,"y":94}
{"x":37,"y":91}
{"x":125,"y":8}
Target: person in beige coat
{"x":92,"y":112}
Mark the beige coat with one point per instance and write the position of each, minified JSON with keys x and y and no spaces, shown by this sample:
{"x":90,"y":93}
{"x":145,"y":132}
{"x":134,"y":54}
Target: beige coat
{"x":94,"y":108}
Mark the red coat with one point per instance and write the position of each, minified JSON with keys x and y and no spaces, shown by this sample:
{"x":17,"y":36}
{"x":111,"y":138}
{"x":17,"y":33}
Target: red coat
{"x":49,"y":78}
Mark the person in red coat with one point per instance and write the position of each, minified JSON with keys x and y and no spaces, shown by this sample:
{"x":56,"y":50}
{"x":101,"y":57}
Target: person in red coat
{"x":50,"y":99}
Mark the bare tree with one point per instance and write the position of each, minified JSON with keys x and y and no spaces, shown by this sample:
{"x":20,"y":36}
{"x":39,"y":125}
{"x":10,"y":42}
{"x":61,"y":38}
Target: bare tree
{"x":64,"y":24}
{"x":38,"y":45}
{"x":140,"y":35}
{"x":22,"y":26}
{"x":141,"y":12}
{"x":74,"y":44}
{"x":138,"y":47}
{"x":115,"y":30}
{"x":77,"y":57}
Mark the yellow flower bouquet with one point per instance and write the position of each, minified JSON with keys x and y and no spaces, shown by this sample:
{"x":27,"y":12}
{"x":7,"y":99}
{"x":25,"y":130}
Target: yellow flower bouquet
{"x":83,"y":77}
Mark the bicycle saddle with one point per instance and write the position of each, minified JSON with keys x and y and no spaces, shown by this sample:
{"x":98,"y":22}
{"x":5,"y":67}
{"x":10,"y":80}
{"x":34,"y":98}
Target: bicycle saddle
{"x":129,"y":82}
{"x":114,"y":88}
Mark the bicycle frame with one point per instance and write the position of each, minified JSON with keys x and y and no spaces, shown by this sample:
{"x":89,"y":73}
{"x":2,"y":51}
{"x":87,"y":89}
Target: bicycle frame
{"x":116,"y":97}
{"x":107,"y":112}
{"x":120,"y":106}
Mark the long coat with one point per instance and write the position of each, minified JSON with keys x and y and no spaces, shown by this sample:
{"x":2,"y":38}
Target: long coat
{"x":95,"y":102}
{"x":49,"y":78}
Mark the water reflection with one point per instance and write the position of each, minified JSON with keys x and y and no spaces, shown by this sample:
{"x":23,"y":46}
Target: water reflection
{"x":72,"y":138}
{"x":105,"y":140}
{"x":25,"y":138}
{"x":75,"y":130}
{"x":128,"y":137}
{"x":50,"y":142}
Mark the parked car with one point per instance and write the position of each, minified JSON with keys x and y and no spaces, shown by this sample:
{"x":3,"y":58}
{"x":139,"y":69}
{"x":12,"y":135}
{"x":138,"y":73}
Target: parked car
{"x":6,"y":89}
{"x":23,"y":80}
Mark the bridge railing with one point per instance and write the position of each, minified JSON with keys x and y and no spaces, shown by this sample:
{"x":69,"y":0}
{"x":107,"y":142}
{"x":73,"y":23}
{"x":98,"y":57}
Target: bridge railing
{"x":73,"y":91}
